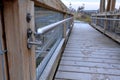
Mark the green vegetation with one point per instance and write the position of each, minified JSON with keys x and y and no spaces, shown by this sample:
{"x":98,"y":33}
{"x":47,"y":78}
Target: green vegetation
{"x":80,"y":14}
{"x":82,"y":17}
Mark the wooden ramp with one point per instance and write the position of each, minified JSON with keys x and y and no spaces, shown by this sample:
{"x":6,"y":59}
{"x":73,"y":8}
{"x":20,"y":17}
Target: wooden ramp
{"x":89,"y":55}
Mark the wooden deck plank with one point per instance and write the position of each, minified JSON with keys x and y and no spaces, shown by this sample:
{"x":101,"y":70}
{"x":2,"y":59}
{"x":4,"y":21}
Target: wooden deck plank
{"x":90,"y":64}
{"x":92,"y":57}
{"x":86,"y":53}
{"x":84,"y":76}
{"x":97,"y":60}
{"x":91,"y":70}
{"x":100,"y":50}
{"x":99,"y":53}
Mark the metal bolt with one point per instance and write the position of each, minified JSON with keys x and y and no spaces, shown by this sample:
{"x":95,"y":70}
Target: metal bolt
{"x":29,"y":32}
{"x":28,"y":17}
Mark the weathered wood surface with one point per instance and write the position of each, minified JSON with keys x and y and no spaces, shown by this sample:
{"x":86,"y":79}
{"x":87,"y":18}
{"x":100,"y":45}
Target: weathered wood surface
{"x":89,"y":55}
{"x":21,"y":60}
{"x":112,"y":35}
{"x":32,"y":61}
{"x":50,"y":68}
{"x":57,"y":4}
{"x":3,"y":66}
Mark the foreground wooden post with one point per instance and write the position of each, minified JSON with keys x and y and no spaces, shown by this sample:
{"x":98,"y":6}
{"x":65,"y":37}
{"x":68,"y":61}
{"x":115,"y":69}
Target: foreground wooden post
{"x":21,"y":60}
{"x":3,"y":61}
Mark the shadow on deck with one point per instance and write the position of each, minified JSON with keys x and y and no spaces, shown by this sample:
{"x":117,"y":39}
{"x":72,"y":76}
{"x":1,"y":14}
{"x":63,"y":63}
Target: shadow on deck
{"x":89,"y":55}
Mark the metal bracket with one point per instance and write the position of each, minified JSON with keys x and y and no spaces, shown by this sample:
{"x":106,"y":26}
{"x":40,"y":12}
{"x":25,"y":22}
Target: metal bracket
{"x":30,"y":41}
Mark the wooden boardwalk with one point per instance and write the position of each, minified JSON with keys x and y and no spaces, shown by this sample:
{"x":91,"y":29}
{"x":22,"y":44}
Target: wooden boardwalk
{"x":89,"y":55}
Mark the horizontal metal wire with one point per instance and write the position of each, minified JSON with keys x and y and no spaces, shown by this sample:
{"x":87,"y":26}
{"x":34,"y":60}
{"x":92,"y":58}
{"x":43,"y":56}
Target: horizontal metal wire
{"x":106,"y":18}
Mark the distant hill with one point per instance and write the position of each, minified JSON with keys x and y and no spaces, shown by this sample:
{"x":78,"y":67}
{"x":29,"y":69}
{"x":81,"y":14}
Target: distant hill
{"x":89,"y":12}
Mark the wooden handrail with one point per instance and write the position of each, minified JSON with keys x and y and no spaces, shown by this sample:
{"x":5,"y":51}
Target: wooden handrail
{"x":51,"y":26}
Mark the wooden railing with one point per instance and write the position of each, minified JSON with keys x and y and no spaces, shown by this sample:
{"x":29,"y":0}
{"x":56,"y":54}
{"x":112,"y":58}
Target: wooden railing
{"x":32,"y":37}
{"x":108,"y":23}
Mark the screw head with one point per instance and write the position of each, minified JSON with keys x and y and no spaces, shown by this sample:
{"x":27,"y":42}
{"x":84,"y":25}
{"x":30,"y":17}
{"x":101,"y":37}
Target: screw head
{"x":28,"y":17}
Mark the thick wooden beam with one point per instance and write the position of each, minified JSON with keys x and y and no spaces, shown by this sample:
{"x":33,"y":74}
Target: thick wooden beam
{"x":102,"y":6}
{"x":55,"y":4}
{"x":1,"y":70}
{"x":47,"y":6}
{"x":112,"y":6}
{"x":108,"y":5}
{"x":32,"y":59}
{"x":3,"y":65}
{"x":20,"y":59}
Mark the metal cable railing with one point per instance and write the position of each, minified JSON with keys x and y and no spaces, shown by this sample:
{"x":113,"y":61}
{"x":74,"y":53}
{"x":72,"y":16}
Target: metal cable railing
{"x":112,"y":19}
{"x":50,"y":37}
{"x":51,"y":28}
{"x":111,"y":24}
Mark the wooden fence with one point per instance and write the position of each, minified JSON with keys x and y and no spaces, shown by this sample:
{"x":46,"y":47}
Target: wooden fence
{"x":17,"y":61}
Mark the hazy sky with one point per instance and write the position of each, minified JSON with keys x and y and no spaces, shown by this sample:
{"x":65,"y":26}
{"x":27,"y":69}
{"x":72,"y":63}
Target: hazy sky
{"x":89,"y":4}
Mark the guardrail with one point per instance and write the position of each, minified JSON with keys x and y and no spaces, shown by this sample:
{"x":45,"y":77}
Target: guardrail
{"x":31,"y":62}
{"x":106,"y":18}
{"x":108,"y":24}
{"x":51,"y":26}
{"x":50,"y":36}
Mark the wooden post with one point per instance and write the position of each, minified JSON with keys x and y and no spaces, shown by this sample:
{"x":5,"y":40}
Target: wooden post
{"x":112,"y":6}
{"x":96,"y":20}
{"x":105,"y":24}
{"x":65,"y":29}
{"x":3,"y":61}
{"x":32,"y":59}
{"x":102,"y":6}
{"x":108,"y":5}
{"x":21,"y":61}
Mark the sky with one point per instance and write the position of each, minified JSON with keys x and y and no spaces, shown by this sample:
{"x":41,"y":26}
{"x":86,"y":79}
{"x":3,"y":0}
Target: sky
{"x":89,"y":4}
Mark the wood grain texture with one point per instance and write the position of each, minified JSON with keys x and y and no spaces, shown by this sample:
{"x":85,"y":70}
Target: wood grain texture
{"x":56,"y":4}
{"x":112,"y":35}
{"x":89,"y":55}
{"x":3,"y":63}
{"x":32,"y":59}
{"x":19,"y":57}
